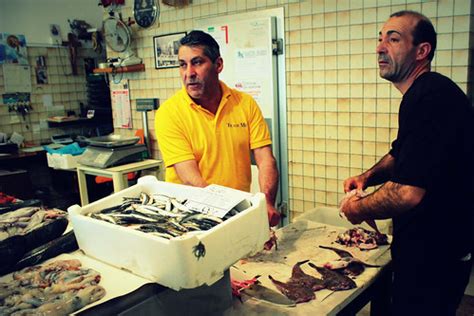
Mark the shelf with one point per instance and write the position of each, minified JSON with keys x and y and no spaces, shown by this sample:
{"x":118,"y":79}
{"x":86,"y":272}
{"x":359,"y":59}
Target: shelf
{"x":70,"y":122}
{"x":131,"y":68}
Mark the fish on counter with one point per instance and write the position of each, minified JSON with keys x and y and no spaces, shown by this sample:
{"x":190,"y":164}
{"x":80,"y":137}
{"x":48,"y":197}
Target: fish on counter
{"x":347,"y":263}
{"x":306,"y":280}
{"x":63,"y":244}
{"x":362,"y":238}
{"x":25,"y":229}
{"x":294,"y":291}
{"x":57,"y":288}
{"x":9,"y":203}
{"x":333,"y":280}
{"x":27,"y":219}
{"x":301,"y":286}
{"x":159,"y":215}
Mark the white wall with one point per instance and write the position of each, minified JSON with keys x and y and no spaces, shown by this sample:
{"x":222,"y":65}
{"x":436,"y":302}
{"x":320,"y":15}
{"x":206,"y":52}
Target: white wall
{"x":33,"y":17}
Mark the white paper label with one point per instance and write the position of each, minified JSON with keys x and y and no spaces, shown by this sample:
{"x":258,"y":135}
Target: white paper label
{"x":216,"y":200}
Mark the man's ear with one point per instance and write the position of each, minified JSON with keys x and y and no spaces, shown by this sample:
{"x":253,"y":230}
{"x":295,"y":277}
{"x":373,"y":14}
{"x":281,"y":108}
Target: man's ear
{"x":219,"y":64}
{"x":423,"y":51}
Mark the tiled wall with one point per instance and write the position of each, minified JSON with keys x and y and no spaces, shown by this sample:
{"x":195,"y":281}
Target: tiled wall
{"x":65,"y":89}
{"x":341,"y":116}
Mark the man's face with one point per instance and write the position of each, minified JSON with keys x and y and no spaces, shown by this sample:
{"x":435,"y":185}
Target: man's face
{"x":199,"y":74}
{"x":396,"y":52}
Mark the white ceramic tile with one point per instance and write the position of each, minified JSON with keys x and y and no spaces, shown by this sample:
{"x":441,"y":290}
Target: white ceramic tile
{"x":356,"y":133}
{"x":356,"y":90}
{"x":330,"y":19}
{"x":343,"y":61}
{"x":414,"y":7}
{"x":356,"y":47}
{"x":343,"y":48}
{"x":343,"y":17}
{"x":462,"y":7}
{"x":318,"y":20}
{"x":293,"y":9}
{"x":445,"y":8}
{"x":444,"y":42}
{"x":367,"y":3}
{"x":461,"y":40}
{"x":331,"y":133}
{"x":444,"y":58}
{"x":317,"y":6}
{"x":343,"y":4}
{"x":444,"y":24}
{"x":370,"y":59}
{"x":343,"y":76}
{"x":294,"y":23}
{"x":460,"y":75}
{"x":356,"y":60}
{"x":343,"y":133}
{"x":383,"y":13}
{"x":429,"y":9}
{"x":344,"y":32}
{"x":330,"y":34}
{"x":306,"y":22}
{"x":356,"y":16}
{"x":356,"y":32}
{"x":305,"y":8}
{"x":461,"y":58}
{"x":330,"y":5}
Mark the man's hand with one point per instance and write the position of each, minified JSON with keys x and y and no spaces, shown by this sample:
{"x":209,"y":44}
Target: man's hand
{"x":273,"y":215}
{"x":355,"y":183}
{"x":350,"y":210}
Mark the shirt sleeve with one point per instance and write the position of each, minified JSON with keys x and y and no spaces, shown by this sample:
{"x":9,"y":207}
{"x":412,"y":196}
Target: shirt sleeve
{"x":420,"y":153}
{"x":259,"y":132}
{"x":174,"y":145}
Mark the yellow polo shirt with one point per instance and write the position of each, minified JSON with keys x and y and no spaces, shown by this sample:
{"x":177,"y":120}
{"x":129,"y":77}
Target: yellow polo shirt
{"x":220,"y":143}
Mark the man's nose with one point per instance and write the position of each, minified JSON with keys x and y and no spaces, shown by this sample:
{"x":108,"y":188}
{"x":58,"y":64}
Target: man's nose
{"x":190,"y":71}
{"x":381,"y":48}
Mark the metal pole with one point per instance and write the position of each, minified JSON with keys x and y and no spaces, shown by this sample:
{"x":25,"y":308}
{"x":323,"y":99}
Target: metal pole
{"x":145,"y":132}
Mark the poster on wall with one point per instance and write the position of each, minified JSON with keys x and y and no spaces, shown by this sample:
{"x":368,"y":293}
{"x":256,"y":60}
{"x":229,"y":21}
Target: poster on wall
{"x":13,"y":49}
{"x":122,"y":113}
{"x":166,"y":50}
{"x":17,"y":78}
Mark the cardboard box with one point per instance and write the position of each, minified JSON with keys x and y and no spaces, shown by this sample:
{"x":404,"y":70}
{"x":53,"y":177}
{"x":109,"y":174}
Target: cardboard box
{"x":172,"y":263}
{"x":62,"y":161}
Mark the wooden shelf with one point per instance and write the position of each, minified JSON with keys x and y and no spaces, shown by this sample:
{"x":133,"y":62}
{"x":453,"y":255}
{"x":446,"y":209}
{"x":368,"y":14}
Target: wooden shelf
{"x":120,"y":69}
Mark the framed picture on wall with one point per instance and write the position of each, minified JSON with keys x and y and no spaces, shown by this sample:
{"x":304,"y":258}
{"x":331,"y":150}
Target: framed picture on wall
{"x":166,"y":50}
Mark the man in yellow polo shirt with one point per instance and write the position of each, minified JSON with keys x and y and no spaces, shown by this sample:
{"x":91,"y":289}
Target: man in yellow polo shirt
{"x":206,"y":131}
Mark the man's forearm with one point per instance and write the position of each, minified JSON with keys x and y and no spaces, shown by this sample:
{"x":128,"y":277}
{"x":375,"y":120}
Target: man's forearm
{"x":268,"y":180}
{"x":188,"y":172}
{"x":381,"y":171}
{"x":390,"y":200}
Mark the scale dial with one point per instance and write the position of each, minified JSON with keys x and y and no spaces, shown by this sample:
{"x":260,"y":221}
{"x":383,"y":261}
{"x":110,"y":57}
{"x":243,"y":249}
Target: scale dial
{"x":146,"y":12}
{"x":116,"y":34}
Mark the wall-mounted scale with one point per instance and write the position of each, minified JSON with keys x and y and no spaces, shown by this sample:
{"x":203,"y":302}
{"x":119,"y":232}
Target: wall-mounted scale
{"x":118,"y":37}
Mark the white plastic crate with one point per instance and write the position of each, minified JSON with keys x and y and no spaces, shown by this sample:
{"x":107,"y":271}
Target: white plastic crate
{"x":62,"y":161}
{"x":172,"y":263}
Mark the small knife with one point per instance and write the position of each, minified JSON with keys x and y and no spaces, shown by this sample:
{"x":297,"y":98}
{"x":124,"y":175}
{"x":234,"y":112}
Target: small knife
{"x":265,"y":294}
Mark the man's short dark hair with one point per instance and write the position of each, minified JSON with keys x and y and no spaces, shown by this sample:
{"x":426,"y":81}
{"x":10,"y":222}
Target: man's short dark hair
{"x":200,"y":38}
{"x":423,"y":32}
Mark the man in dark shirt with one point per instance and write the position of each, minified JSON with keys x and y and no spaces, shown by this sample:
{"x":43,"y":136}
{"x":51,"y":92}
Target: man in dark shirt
{"x":427,"y":177}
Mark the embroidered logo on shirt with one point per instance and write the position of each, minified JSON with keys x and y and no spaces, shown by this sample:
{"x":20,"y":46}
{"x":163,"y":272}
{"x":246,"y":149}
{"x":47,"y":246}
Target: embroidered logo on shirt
{"x":242,"y":124}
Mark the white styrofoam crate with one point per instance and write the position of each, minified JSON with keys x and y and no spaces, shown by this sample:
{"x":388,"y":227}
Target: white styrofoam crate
{"x":62,"y":161}
{"x":173,"y":262}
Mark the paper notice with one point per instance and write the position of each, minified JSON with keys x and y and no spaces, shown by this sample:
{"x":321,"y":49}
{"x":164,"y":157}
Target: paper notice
{"x":216,"y":200}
